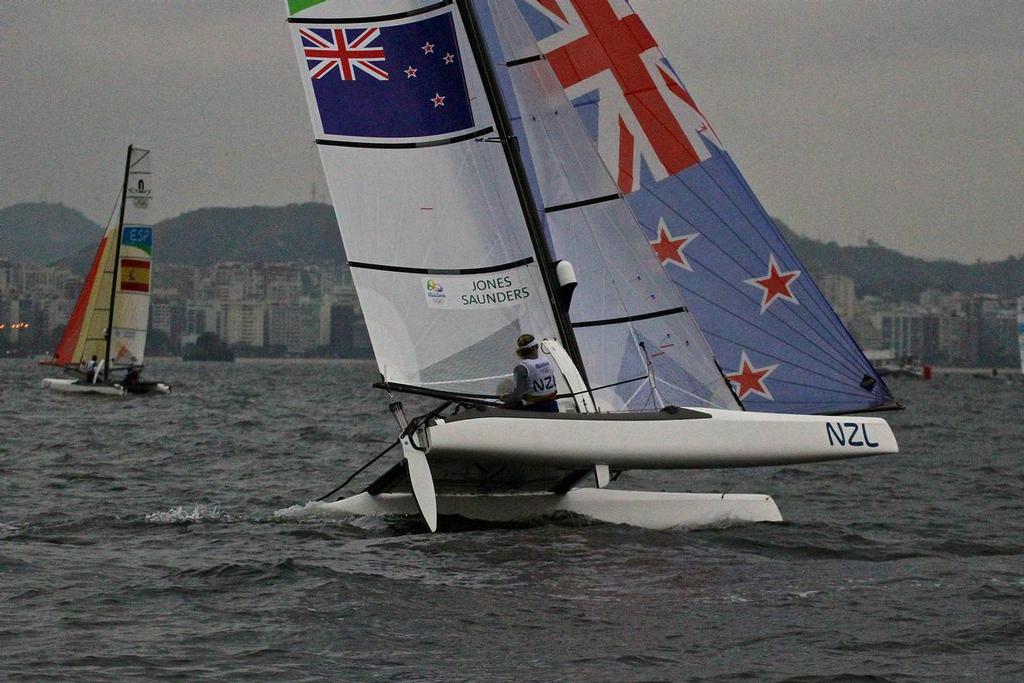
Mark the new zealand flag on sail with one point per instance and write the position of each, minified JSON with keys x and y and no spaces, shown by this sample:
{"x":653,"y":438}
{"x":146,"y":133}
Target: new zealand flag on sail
{"x":388,"y":81}
{"x":777,"y":339}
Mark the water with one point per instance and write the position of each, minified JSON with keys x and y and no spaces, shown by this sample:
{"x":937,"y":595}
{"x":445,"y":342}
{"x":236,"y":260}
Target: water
{"x":137,"y":540}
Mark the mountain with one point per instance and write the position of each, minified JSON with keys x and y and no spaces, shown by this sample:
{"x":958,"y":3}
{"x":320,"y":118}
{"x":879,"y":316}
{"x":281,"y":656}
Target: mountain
{"x":297,"y":232}
{"x":887,"y":273}
{"x":42,"y":233}
{"x":303,"y":233}
{"x":308,"y":233}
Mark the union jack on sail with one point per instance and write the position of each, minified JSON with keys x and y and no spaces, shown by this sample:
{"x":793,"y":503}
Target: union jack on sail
{"x":644,"y":112}
{"x":326,"y":49}
{"x":393,"y":81}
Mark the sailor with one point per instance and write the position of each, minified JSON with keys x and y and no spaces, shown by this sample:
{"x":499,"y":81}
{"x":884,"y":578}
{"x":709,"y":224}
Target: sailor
{"x":133,"y":376}
{"x":536,"y":384}
{"x":90,"y":369}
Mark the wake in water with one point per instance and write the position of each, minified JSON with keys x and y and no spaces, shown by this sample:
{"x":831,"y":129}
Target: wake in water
{"x":316,"y":511}
{"x":185,"y":515}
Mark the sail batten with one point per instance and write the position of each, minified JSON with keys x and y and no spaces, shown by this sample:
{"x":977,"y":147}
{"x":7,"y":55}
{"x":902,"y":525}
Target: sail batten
{"x":444,"y":271}
{"x":582,"y":202}
{"x":631,"y":318}
{"x":409,"y":145}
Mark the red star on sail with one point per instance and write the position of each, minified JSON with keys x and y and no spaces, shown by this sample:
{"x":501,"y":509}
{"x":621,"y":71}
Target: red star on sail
{"x":669,"y":247}
{"x":438,"y":100}
{"x":750,"y":380}
{"x":775,"y":285}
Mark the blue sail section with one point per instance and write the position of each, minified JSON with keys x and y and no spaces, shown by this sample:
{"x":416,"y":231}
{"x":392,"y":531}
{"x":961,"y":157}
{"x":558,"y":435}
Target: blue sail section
{"x":776,"y":338}
{"x":640,"y":347}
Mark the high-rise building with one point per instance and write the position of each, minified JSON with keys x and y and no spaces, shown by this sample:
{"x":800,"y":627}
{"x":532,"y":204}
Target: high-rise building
{"x":244,"y":322}
{"x":841,"y":293}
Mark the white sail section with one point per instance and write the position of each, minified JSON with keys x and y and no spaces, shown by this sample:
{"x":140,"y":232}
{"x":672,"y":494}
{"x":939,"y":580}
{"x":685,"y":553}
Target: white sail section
{"x":88,"y":338}
{"x":134,"y":266}
{"x":434,"y":233}
{"x":630,"y":321}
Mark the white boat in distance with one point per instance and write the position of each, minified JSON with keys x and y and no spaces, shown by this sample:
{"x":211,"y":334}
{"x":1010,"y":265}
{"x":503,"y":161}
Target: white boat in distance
{"x":109,"y":322}
{"x":501,"y":168}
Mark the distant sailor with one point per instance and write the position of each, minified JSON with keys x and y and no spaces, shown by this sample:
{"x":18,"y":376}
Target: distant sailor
{"x":133,"y":376}
{"x":90,"y":370}
{"x":536,"y":384}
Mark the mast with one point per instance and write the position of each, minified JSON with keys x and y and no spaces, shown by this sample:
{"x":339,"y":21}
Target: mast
{"x":510,"y":145}
{"x":117,"y":260}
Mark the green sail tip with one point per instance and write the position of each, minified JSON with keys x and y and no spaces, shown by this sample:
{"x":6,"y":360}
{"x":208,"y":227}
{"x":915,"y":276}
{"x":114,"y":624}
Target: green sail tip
{"x":296,"y":6}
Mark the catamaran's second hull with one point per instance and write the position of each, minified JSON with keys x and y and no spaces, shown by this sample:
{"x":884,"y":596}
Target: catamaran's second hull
{"x":72,"y":386}
{"x":148,"y":388}
{"x":646,"y":509}
{"x":679,"y":439}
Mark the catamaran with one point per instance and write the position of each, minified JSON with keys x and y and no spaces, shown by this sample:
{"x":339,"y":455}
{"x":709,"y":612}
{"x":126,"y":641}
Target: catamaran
{"x":105,"y":339}
{"x":504,"y":167}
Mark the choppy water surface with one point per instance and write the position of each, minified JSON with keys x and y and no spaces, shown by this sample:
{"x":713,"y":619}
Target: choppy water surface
{"x":137,"y":540}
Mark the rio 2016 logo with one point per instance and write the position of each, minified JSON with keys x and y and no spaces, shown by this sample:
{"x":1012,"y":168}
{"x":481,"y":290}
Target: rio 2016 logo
{"x":435,"y":292}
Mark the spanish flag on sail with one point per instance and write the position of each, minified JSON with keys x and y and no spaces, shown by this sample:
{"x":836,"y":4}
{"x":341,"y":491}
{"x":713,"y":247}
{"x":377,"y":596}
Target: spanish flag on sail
{"x":134,"y":275}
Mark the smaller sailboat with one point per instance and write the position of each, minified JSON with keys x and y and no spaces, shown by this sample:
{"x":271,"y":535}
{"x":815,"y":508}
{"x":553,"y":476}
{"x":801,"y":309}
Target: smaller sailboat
{"x":104,"y":341}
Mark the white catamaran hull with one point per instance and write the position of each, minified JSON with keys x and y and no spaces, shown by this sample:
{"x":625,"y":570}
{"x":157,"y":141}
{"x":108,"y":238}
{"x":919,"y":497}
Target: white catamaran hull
{"x":678,"y":438}
{"x":721,"y":438}
{"x":72,"y":386}
{"x":646,"y":509}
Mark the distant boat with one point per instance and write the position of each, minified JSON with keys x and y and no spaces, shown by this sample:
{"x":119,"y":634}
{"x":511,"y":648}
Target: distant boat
{"x":992,"y":375}
{"x":104,"y":341}
{"x":481,"y":155}
{"x":906,"y":368}
{"x":208,"y":347}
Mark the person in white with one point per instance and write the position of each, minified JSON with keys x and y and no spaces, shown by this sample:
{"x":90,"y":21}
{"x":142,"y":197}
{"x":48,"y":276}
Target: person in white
{"x":536,"y":385}
{"x":90,"y":369}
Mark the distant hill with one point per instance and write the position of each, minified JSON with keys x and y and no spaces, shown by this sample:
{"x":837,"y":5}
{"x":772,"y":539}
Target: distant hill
{"x":303,"y":233}
{"x":887,"y":273}
{"x":297,"y":232}
{"x":43,"y":233}
{"x":308,"y":233}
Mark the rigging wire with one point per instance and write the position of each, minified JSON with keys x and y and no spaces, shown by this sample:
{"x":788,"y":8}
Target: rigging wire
{"x":357,"y":472}
{"x":413,"y":426}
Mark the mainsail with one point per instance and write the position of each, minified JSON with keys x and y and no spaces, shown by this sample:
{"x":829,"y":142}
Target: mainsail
{"x":123,"y":257}
{"x":776,"y":337}
{"x":448,"y":219}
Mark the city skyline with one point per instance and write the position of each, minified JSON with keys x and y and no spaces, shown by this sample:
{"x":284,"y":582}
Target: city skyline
{"x":301,"y":309}
{"x":901,"y":123}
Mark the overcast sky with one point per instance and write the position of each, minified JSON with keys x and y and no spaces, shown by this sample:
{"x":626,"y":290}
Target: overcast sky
{"x":901,"y":122}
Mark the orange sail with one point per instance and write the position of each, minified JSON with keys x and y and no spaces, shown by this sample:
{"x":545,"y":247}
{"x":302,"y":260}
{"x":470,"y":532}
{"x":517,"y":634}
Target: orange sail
{"x":72,"y":343}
